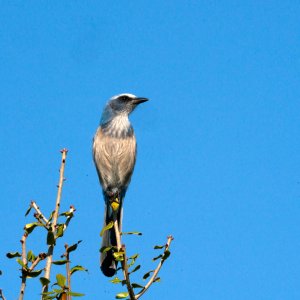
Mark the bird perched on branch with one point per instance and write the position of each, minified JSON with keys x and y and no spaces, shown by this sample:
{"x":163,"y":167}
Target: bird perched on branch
{"x":114,"y":153}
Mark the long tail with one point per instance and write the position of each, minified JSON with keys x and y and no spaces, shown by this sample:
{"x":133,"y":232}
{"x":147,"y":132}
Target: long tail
{"x":107,"y":262}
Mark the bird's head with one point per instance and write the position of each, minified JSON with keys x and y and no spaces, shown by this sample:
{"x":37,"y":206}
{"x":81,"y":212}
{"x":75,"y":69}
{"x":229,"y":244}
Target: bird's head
{"x":122,"y":104}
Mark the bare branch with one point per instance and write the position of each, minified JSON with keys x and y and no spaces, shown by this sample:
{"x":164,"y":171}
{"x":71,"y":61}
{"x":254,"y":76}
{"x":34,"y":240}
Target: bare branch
{"x":39,"y":213}
{"x":24,"y":261}
{"x":55,"y":216}
{"x":155,"y":273}
{"x":124,"y":261}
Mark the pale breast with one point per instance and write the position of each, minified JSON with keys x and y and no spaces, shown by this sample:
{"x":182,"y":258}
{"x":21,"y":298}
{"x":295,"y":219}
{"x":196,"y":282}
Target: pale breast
{"x":114,"y":159}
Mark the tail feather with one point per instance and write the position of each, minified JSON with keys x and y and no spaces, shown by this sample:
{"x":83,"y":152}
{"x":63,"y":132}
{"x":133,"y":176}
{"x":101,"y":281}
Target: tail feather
{"x":107,"y":261}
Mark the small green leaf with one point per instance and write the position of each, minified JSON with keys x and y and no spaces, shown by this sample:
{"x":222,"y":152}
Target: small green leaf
{"x":135,"y":256}
{"x":119,"y":256}
{"x":60,"y":262}
{"x":78,"y":268}
{"x":61,"y":280}
{"x":28,"y":210}
{"x":136,"y":285}
{"x":50,"y":238}
{"x":147,"y":274}
{"x":34,"y":274}
{"x":157,"y":279}
{"x":157,"y":257}
{"x":132,"y":259}
{"x":29,"y":227}
{"x":75,"y":294}
{"x":69,"y":214}
{"x":116,"y":280}
{"x":135,"y":269}
{"x":122,"y":295}
{"x":107,"y":227}
{"x":73,"y":247}
{"x":132,"y":232}
{"x":44,"y":281}
{"x":60,"y":230}
{"x":166,"y":254}
{"x":21,"y":262}
{"x":13,"y":254}
{"x":105,"y":249}
{"x":159,"y":247}
{"x":30,"y":256}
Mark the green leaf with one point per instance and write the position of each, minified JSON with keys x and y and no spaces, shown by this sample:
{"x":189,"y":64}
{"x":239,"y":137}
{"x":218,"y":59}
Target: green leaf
{"x":13,"y":254}
{"x":73,"y":247}
{"x":122,"y":295}
{"x":30,"y":256}
{"x":132,"y":259}
{"x":61,"y":280}
{"x":29,"y":227}
{"x":34,"y":274}
{"x":147,"y":274}
{"x":116,"y":280}
{"x":132,"y":232}
{"x":78,"y":268}
{"x":135,"y":269}
{"x":105,"y":249}
{"x":136,"y":285}
{"x":21,"y":262}
{"x":107,"y":227}
{"x":69,"y":214}
{"x":60,"y":230}
{"x":44,"y":281}
{"x":159,"y":247}
{"x":166,"y":254}
{"x":28,"y":210}
{"x":50,"y":238}
{"x":157,"y":257}
{"x":157,"y":279}
{"x":75,"y":294}
{"x":119,"y":256}
{"x":60,"y":262}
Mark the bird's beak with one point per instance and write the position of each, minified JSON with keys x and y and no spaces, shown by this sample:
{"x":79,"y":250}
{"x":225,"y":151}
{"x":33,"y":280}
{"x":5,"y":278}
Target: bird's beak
{"x":139,"y":100}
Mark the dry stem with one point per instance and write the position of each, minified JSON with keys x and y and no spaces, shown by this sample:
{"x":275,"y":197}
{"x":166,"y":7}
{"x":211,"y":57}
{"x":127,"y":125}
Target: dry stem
{"x":24,"y":261}
{"x":55,"y":216}
{"x":155,"y":273}
{"x":40,"y":214}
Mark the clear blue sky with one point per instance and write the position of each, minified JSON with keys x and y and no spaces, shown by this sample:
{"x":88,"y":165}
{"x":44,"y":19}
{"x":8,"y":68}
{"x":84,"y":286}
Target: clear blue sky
{"x":219,"y":151}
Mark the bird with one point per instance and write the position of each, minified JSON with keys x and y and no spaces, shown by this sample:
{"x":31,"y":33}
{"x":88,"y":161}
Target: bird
{"x":114,"y":155}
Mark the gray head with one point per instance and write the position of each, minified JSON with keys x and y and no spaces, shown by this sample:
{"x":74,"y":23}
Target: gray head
{"x":121,"y":105}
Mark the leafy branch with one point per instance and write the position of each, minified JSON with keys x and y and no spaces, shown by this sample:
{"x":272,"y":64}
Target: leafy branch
{"x":29,"y":261}
{"x":127,"y":263}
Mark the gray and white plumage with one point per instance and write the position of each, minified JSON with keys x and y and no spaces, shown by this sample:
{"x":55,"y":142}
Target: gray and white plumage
{"x":114,"y":153}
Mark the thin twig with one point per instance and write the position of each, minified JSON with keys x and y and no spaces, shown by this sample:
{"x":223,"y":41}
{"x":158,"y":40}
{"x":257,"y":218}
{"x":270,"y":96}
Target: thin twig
{"x":40,"y":214}
{"x":41,"y":256}
{"x":24,"y":261}
{"x":1,"y":295}
{"x":55,"y":216}
{"x":67,"y":256}
{"x":155,"y":273}
{"x":124,"y":261}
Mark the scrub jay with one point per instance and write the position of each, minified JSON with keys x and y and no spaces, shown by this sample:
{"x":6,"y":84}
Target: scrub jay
{"x":114,"y":153}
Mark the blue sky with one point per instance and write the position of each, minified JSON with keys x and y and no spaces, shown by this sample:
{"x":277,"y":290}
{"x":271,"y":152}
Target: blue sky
{"x":218,"y":143}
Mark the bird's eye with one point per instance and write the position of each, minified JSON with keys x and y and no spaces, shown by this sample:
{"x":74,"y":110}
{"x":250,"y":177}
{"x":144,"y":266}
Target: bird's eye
{"x":124,"y":98}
